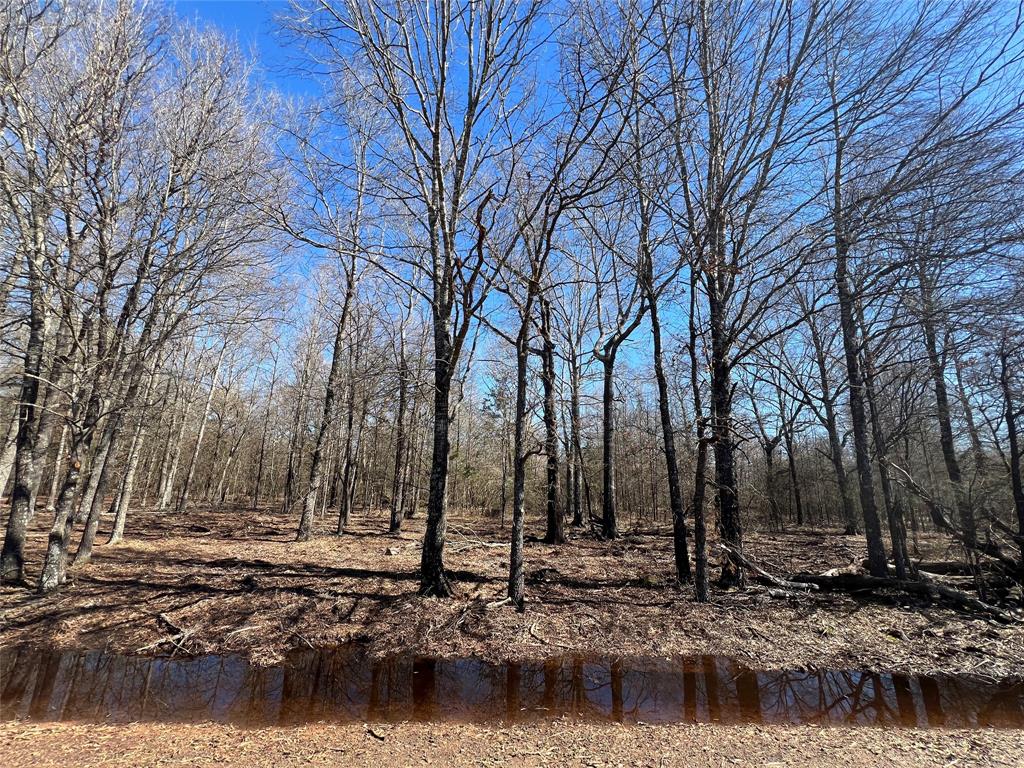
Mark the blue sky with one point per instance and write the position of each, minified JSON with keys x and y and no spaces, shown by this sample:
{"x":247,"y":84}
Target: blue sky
{"x":251,"y":23}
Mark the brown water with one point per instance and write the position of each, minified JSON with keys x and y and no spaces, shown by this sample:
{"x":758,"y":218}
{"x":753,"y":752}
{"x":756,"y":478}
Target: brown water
{"x":345,"y":685}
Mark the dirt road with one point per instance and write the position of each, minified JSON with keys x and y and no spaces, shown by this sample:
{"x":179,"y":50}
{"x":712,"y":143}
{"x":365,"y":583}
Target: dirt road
{"x":560,"y":743}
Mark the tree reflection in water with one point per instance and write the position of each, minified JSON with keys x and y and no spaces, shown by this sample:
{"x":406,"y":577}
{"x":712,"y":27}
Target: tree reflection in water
{"x":346,"y":684}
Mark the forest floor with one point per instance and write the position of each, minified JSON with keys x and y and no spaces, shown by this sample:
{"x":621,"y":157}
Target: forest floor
{"x":55,"y":745}
{"x":235,"y":581}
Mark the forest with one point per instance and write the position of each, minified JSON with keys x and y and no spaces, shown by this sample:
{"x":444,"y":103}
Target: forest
{"x":514,"y":329}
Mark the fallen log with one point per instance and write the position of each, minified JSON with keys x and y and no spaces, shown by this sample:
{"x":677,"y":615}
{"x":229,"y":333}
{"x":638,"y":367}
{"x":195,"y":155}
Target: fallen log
{"x":940,"y":567}
{"x":850,"y":582}
{"x":762,"y":575}
{"x":954,"y":571}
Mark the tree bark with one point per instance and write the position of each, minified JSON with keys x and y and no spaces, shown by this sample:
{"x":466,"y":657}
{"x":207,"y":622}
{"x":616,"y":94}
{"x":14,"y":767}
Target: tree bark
{"x":105,"y":475}
{"x":261,"y":462}
{"x":729,"y":523}
{"x":353,"y":437}
{"x":128,"y":483}
{"x":832,"y":428}
{"x":190,"y":474}
{"x":172,"y":457}
{"x":609,"y":521}
{"x":675,"y":493}
{"x":326,"y":420}
{"x":93,"y":472}
{"x":8,"y":449}
{"x":894,"y":512}
{"x":858,"y":417}
{"x":936,"y":366}
{"x":555,"y":533}
{"x":516,"y":572}
{"x":12,"y":557}
{"x":62,"y":444}
{"x":980,"y":461}
{"x":433,"y":579}
{"x":54,"y":561}
{"x":397,"y":485}
{"x":1011,"y":413}
{"x":700,"y":549}
{"x":574,"y":435}
{"x":794,"y":478}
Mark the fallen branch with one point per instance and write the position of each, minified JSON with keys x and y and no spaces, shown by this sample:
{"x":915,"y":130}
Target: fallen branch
{"x":944,"y":522}
{"x":180,"y":635}
{"x":780,"y":594}
{"x":472,"y":544}
{"x":937,"y":567}
{"x":763,"y":575}
{"x":949,"y":572}
{"x":533,"y":634}
{"x":849,"y":582}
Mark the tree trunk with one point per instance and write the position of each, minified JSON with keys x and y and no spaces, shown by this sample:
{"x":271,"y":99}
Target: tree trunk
{"x":894,"y":513}
{"x":397,"y":485}
{"x":675,"y":493}
{"x":858,"y":417}
{"x":832,"y":428}
{"x":12,"y":557}
{"x":52,"y":575}
{"x":577,"y":448}
{"x":128,"y":483}
{"x":295,"y":444}
{"x":218,"y":436}
{"x":555,"y":533}
{"x":1011,"y":413}
{"x":263,"y":440}
{"x":794,"y":478}
{"x":111,"y":435}
{"x":8,"y":449}
{"x":55,"y":559}
{"x":50,"y":409}
{"x":353,"y":434}
{"x":516,"y":571}
{"x":93,"y":472}
{"x":609,"y":522}
{"x":326,"y":419}
{"x":729,"y":524}
{"x":172,"y":458}
{"x":105,"y":475}
{"x":414,"y":459}
{"x":62,"y":444}
{"x":774,"y":515}
{"x":936,"y":366}
{"x":190,"y":474}
{"x":220,"y":495}
{"x":433,"y":580}
{"x":980,"y":462}
{"x":700,"y":550}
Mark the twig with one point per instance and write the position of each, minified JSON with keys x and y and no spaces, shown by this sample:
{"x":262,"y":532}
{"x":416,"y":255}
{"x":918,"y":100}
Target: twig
{"x":533,"y":633}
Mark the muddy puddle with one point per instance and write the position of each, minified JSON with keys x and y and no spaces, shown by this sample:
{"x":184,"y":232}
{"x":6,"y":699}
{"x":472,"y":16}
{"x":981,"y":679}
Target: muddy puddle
{"x":345,"y":685}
